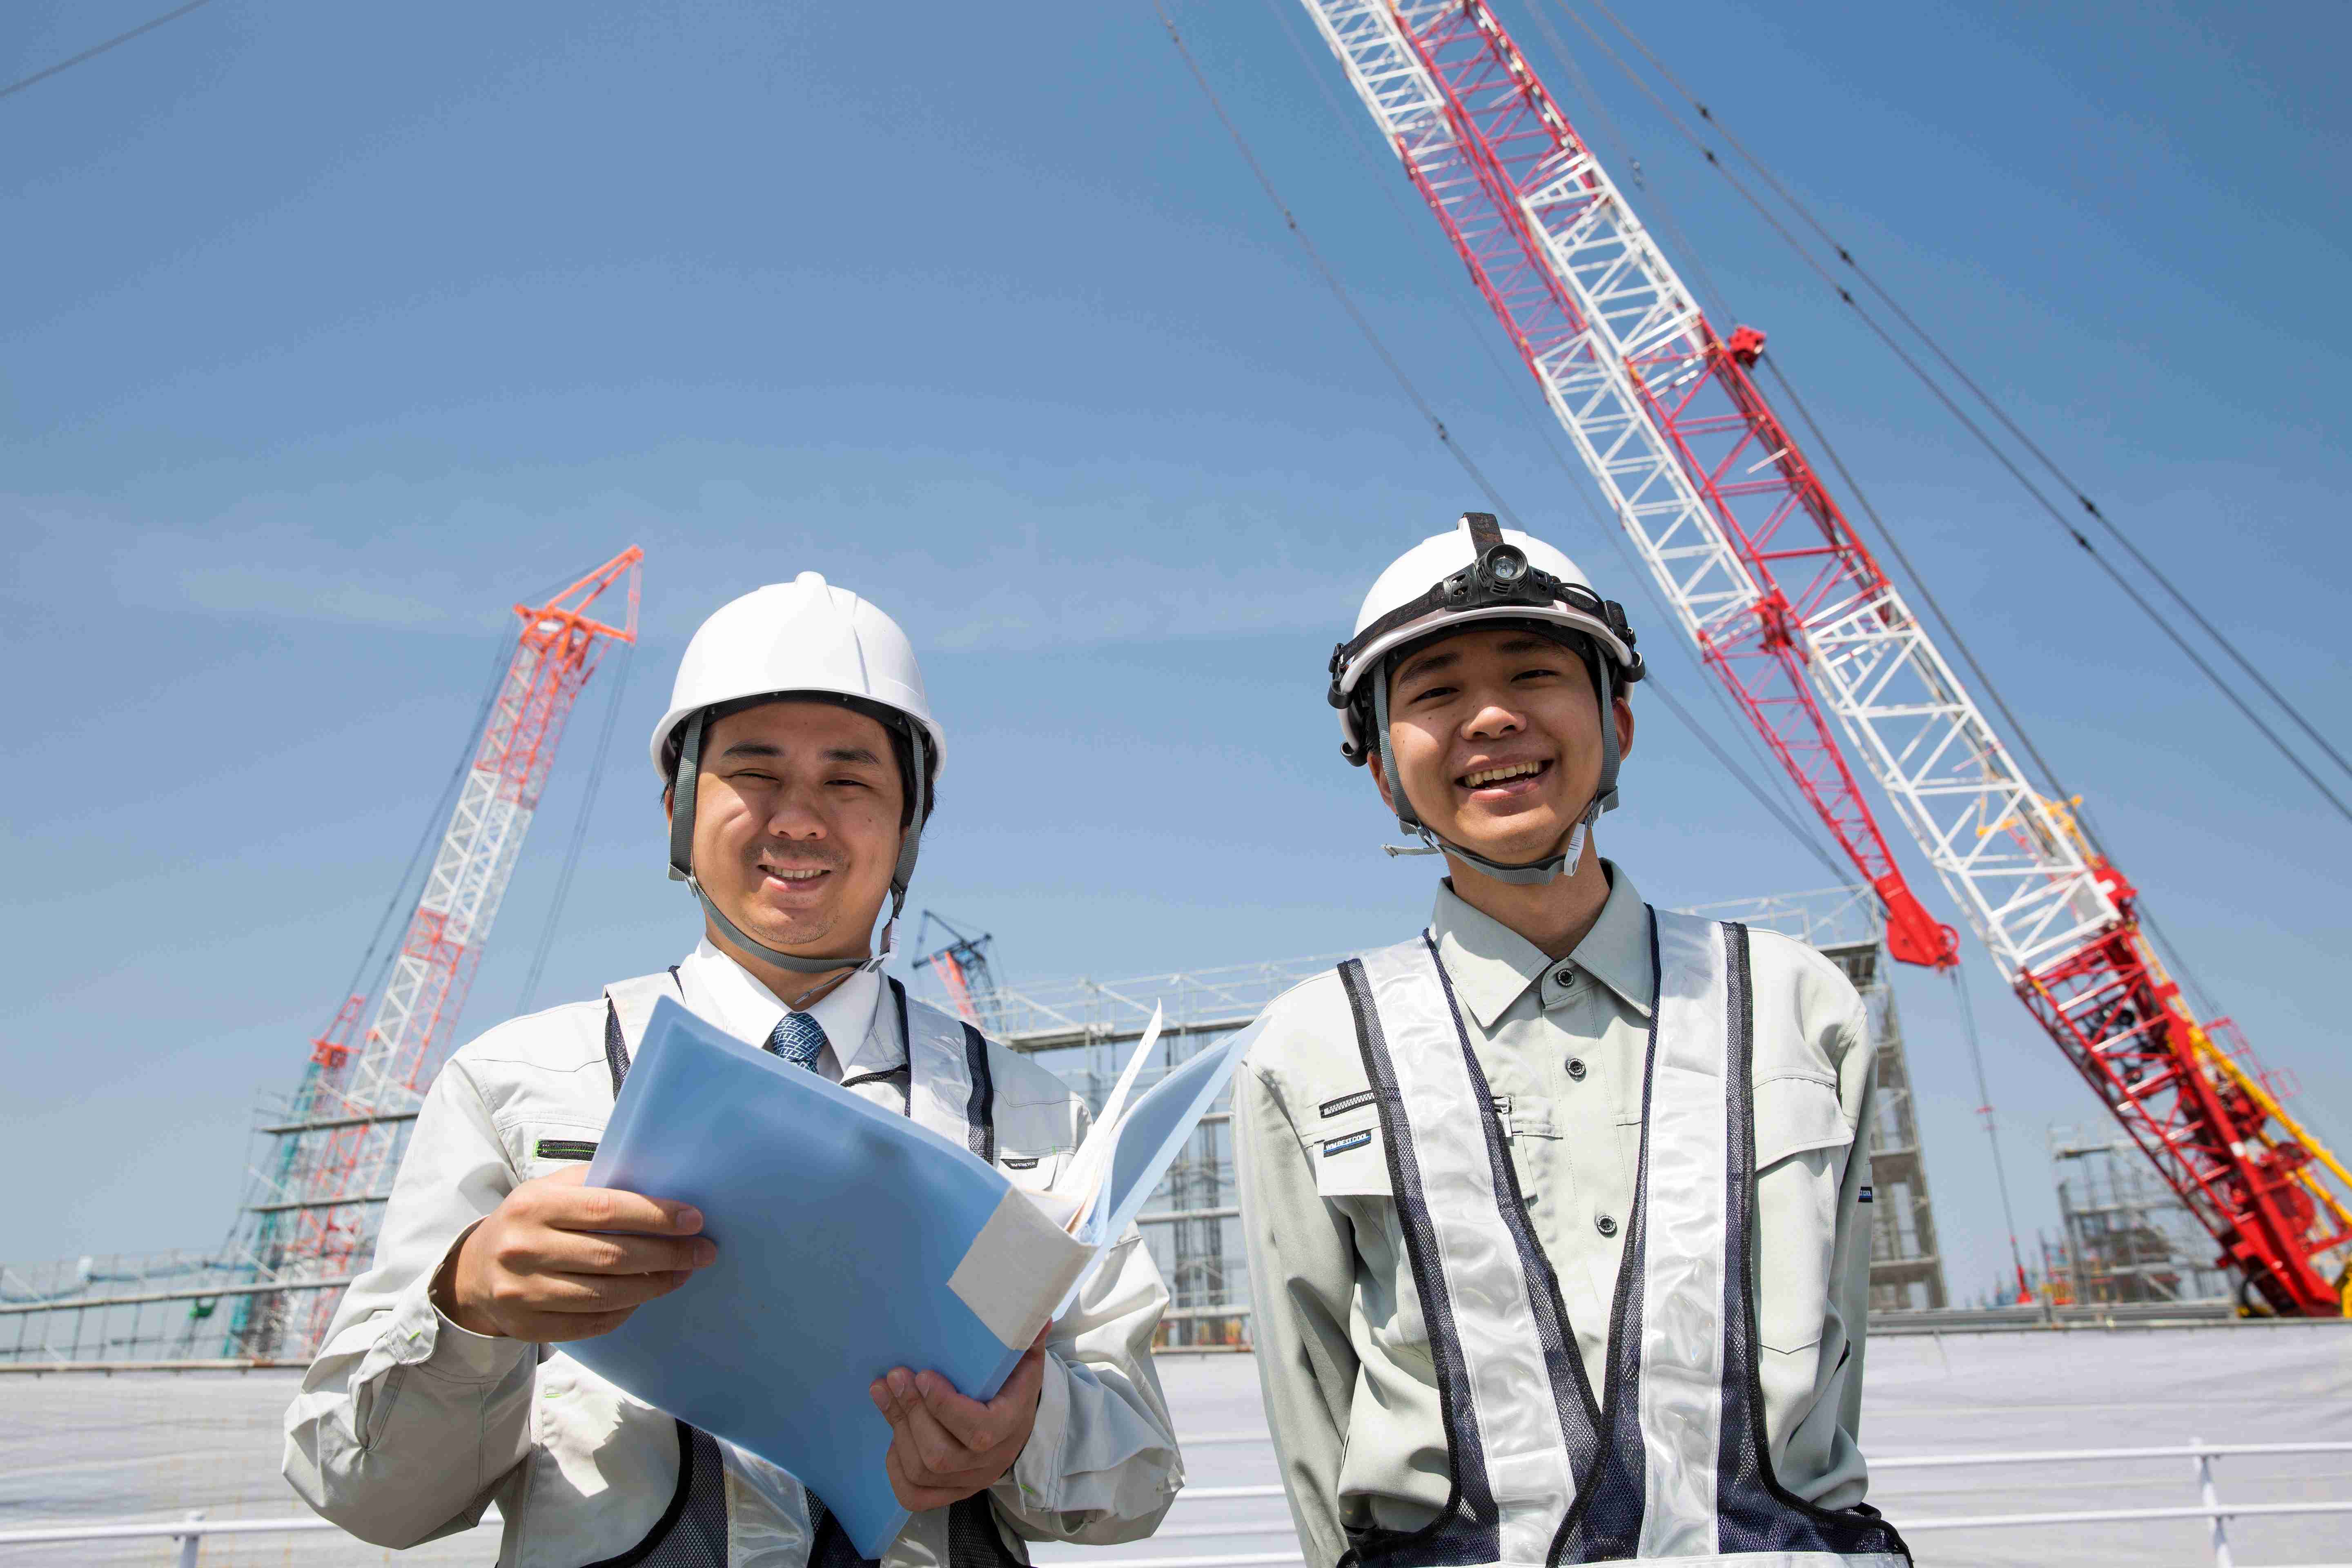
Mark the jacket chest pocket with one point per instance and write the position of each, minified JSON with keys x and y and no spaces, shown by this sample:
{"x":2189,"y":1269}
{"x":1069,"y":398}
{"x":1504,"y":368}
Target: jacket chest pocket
{"x":1351,"y":1174}
{"x":1351,"y":1159}
{"x":1803,"y":1143}
{"x":547,"y":1148}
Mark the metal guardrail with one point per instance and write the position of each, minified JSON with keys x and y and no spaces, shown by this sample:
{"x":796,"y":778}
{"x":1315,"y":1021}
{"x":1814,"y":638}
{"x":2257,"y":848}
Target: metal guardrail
{"x":190,"y":1532}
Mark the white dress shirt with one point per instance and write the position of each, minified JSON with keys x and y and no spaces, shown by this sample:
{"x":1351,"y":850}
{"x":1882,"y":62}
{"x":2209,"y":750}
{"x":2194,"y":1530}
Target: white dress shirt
{"x":731,"y":997}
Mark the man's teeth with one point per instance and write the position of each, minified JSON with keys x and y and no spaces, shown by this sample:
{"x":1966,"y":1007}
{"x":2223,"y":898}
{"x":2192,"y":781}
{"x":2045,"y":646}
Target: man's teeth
{"x":805,"y":874}
{"x":1485,"y":776}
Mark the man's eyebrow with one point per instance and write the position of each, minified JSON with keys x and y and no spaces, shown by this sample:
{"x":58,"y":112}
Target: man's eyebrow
{"x":1436,"y":659}
{"x":1525,"y":642}
{"x":831,"y":753}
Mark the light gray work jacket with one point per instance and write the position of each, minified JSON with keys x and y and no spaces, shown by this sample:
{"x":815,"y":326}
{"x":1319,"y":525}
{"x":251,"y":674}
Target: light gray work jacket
{"x":408,"y":1427}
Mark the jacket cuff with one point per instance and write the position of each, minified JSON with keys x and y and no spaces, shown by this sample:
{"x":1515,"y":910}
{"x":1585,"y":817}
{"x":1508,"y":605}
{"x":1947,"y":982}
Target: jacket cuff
{"x":417,"y":1335}
{"x":1034,"y":1484}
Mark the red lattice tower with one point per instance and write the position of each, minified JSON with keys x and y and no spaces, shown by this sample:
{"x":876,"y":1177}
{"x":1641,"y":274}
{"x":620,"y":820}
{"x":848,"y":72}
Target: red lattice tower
{"x":319,"y":1194}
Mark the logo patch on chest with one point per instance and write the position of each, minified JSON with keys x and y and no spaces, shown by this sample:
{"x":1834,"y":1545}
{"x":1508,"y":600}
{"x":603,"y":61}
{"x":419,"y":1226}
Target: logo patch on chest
{"x":564,"y":1149}
{"x":1346,"y":1103}
{"x":1866,"y":1196}
{"x":1021,"y":1162}
{"x":1352,"y":1141}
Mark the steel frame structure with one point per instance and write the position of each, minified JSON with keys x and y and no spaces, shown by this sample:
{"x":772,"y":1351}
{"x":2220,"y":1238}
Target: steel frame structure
{"x":317,"y":1196}
{"x":1793,"y":615}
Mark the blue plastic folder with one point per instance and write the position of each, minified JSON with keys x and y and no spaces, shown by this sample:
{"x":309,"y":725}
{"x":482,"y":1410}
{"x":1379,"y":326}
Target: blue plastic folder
{"x":851,"y":1240}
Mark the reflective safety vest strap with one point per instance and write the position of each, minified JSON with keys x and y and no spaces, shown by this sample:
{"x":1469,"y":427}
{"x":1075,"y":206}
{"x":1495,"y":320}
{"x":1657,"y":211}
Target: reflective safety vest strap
{"x":1676,"y":1257}
{"x":1518,"y":1418}
{"x":949,"y":1089}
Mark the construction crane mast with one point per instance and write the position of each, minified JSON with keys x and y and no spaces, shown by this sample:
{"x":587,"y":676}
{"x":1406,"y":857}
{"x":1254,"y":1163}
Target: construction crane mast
{"x":1791,"y":612}
{"x":962,"y":969}
{"x":318,"y":1195}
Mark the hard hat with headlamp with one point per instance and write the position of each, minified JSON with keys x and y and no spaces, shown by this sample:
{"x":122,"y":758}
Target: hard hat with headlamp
{"x":1480,"y":576}
{"x":807,"y":641}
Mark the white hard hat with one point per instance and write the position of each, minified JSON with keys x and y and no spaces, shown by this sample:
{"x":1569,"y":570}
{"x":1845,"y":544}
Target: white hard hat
{"x":801,"y":637}
{"x":1479,"y":572}
{"x":1435,"y":587}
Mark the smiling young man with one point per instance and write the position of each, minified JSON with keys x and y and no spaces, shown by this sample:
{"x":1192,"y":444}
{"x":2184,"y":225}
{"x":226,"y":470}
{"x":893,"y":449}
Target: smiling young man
{"x":1552,"y":1212}
{"x":798,"y":759}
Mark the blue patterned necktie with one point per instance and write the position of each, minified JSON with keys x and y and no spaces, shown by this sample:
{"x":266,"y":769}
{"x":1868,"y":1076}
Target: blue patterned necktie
{"x":799,"y":1038}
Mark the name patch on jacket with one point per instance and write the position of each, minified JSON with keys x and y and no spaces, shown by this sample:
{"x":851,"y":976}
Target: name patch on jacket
{"x":1021,"y":1162}
{"x":564,"y":1149}
{"x":1352,"y":1141}
{"x":1346,"y":1103}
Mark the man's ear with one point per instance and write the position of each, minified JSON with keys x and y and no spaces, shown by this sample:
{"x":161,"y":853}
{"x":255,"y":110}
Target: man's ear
{"x":1623,"y":713}
{"x":669,"y":801}
{"x":1379,"y":777}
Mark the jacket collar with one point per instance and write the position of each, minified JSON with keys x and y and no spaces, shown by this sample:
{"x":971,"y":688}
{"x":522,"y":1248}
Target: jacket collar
{"x":1492,"y":966}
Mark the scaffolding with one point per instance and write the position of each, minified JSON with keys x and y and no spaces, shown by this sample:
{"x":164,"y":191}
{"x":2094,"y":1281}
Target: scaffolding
{"x":2125,"y":1236}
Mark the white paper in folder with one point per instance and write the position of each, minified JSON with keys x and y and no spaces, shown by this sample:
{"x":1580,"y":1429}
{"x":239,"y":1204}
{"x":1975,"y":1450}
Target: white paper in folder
{"x":851,"y":1240}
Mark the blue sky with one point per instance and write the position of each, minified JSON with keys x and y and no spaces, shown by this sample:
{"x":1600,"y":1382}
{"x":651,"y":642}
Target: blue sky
{"x":330,"y":335}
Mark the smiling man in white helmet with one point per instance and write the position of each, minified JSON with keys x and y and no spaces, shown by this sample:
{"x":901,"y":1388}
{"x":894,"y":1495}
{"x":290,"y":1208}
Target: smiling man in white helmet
{"x":798,"y":759}
{"x":1554,"y":1217}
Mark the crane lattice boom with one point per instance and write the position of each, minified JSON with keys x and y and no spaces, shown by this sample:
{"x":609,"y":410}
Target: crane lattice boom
{"x":320,"y":1191}
{"x":1793,"y":615}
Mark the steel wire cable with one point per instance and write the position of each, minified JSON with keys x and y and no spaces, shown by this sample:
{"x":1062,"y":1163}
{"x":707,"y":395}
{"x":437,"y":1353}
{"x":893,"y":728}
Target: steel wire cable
{"x":2174,"y":953}
{"x":1330,"y":278}
{"x":1662,"y":211}
{"x":1546,"y":429}
{"x":1918,"y":579}
{"x":21,"y":83}
{"x":1659,"y":208}
{"x":1978,"y":393}
{"x":1951,"y":406}
{"x":1412,"y":393}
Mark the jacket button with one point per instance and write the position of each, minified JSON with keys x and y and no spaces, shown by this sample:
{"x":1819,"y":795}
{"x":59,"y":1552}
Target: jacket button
{"x":1576,"y":1069}
{"x":1566,"y":976}
{"x":1605,"y":1225}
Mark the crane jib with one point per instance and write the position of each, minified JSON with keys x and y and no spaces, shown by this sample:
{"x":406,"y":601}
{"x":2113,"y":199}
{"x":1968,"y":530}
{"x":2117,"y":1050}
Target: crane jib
{"x":1791,"y":612}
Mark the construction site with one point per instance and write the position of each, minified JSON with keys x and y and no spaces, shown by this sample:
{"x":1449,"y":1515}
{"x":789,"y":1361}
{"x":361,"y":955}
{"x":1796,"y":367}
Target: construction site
{"x":2164,"y":1376}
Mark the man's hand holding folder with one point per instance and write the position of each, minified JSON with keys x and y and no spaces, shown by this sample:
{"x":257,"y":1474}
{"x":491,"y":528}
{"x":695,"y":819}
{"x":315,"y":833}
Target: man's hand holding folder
{"x":943,"y":1446}
{"x":559,"y":1260}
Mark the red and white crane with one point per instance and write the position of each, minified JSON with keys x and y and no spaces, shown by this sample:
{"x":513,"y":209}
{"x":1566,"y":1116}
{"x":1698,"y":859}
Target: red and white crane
{"x":1793,"y":615}
{"x":318,"y":1194}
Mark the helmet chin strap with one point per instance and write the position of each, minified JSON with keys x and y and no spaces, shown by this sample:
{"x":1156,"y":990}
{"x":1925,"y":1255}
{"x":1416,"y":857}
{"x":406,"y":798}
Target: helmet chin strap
{"x":1533,"y":873}
{"x":681,"y":857}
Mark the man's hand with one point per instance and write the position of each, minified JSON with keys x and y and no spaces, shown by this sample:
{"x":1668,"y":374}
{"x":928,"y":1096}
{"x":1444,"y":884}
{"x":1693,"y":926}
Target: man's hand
{"x":943,"y":1446}
{"x":560,"y":1260}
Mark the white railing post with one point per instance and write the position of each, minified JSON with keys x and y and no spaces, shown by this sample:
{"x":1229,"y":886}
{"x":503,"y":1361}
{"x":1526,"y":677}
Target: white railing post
{"x":191,"y":1542}
{"x":2205,"y":1495}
